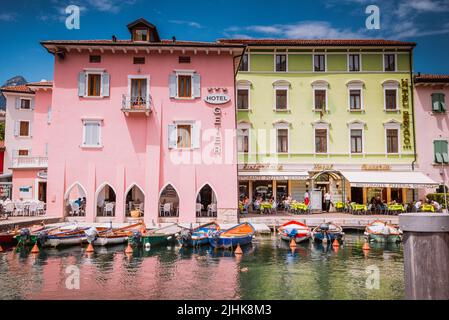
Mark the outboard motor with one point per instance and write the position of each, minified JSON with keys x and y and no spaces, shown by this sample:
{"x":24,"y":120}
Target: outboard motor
{"x":91,"y":234}
{"x":42,"y":238}
{"x":293,"y":233}
{"x":324,"y":227}
{"x":186,"y":235}
{"x":136,"y":237}
{"x":25,"y":234}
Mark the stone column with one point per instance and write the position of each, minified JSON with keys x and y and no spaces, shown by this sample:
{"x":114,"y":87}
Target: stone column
{"x":426,"y":255}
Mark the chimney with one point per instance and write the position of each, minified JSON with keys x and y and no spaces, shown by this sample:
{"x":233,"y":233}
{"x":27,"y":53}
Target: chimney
{"x":114,"y":38}
{"x":173,"y":39}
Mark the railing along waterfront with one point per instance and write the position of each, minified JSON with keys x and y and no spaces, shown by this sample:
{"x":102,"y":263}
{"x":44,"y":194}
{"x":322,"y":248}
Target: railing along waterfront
{"x":29,"y":162}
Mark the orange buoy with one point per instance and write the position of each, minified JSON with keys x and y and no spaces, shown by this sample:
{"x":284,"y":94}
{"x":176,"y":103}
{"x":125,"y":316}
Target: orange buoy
{"x":35,"y":249}
{"x":365,"y":246}
{"x":129,"y":249}
{"x":90,"y":248}
{"x":293,"y":243}
{"x":238,"y":250}
{"x":335,"y":243}
{"x":1,"y":249}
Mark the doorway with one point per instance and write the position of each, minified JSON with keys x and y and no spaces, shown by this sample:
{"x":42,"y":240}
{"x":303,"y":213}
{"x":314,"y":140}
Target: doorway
{"x":42,"y":191}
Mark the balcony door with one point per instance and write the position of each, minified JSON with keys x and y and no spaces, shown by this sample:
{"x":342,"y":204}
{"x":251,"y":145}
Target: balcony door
{"x":138,"y":92}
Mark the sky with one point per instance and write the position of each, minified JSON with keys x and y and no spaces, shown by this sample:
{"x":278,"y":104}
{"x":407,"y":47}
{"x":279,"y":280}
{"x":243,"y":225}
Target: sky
{"x":24,"y":23}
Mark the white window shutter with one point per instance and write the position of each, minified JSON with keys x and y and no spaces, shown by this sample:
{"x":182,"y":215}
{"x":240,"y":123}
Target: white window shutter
{"x":97,"y":133}
{"x":17,"y":103}
{"x":105,"y":84}
{"x":172,"y":86}
{"x":195,"y":136}
{"x":16,"y":128}
{"x":30,"y":129}
{"x":32,"y":103}
{"x":196,"y":85}
{"x":81,"y":84}
{"x":172,"y":136}
{"x":49,"y":115}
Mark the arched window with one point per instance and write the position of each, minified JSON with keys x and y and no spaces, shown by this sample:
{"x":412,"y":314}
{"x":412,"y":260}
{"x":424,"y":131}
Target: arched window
{"x":134,"y":202}
{"x":206,"y":202}
{"x":169,"y":202}
{"x":75,"y":200}
{"x":106,"y":201}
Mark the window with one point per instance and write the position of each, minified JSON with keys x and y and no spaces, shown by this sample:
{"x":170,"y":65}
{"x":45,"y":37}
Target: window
{"x":139,"y":60}
{"x":281,"y":62}
{"x":281,"y":99}
{"x":49,"y":115}
{"x":282,"y":140}
{"x":441,"y":151}
{"x":438,"y":102}
{"x":355,"y":99}
{"x":354,"y":62}
{"x":319,"y":63}
{"x":24,"y":129}
{"x":392,"y":140}
{"x":184,"y":136}
{"x":184,"y":59}
{"x":320,"y":99}
{"x":140,"y":35}
{"x":391,"y":99}
{"x":389,"y":62}
{"x":91,"y":133}
{"x":184,"y":86}
{"x":23,"y":152}
{"x":244,"y":64}
{"x":93,"y":85}
{"x":320,"y":140}
{"x":25,"y":104}
{"x":94,"y":59}
{"x":243,"y":140}
{"x":138,"y":92}
{"x":356,"y":140}
{"x":243,"y":99}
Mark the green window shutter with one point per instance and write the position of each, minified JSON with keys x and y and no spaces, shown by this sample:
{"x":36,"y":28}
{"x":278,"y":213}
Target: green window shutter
{"x":437,"y":151}
{"x":443,"y":103}
{"x":444,"y":152}
{"x":438,"y":103}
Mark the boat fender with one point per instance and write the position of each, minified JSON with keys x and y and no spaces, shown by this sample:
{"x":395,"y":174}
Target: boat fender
{"x":147,"y":246}
{"x":91,"y":234}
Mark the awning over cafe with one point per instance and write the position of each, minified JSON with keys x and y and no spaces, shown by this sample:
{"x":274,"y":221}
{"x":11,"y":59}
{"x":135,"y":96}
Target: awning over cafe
{"x":391,"y":179}
{"x":273,"y":175}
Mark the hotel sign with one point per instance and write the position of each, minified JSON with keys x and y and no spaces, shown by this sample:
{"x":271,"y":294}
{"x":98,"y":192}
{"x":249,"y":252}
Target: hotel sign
{"x":405,"y":115}
{"x":217,"y":98}
{"x":323,"y":167}
{"x":261,"y":166}
{"x":376,"y":167}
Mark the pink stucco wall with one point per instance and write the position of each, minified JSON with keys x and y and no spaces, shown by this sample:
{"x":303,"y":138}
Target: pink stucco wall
{"x":429,"y":127}
{"x":135,"y":148}
{"x":41,"y":125}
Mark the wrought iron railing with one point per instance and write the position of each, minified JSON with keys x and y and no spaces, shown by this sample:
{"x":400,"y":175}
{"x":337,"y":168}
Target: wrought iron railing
{"x":136,"y":104}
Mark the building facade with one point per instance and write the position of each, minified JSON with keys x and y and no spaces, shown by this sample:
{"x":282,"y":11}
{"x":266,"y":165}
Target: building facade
{"x":432,"y":127}
{"x":327,"y":115}
{"x":140,"y":128}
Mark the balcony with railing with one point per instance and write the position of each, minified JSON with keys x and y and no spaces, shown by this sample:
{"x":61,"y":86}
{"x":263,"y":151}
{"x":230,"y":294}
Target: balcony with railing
{"x":138,"y":105}
{"x":23,"y":162}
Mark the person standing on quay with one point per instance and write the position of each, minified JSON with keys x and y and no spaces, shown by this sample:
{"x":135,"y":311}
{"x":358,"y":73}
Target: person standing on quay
{"x":327,"y":201}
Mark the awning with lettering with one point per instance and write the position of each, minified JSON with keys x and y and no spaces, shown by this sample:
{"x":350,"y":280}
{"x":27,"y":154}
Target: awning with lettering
{"x":389,"y":179}
{"x":273,"y":175}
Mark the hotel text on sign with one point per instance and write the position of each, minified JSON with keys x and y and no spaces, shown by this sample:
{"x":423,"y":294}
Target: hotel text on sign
{"x":217,"y":98}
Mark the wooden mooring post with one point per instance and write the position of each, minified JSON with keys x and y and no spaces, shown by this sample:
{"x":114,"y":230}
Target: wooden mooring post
{"x":426,"y":255}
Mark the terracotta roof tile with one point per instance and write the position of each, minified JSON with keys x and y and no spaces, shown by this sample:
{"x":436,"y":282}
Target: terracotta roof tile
{"x":423,"y":78}
{"x":20,"y":89}
{"x":130,"y":42}
{"x":41,"y":83}
{"x":319,"y":42}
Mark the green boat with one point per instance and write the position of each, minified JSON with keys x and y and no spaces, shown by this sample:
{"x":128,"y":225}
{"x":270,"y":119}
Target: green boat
{"x":152,"y":238}
{"x":381,"y":231}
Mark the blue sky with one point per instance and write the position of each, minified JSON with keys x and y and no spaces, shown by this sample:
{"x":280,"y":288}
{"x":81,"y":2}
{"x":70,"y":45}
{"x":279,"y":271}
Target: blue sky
{"x":24,"y":23}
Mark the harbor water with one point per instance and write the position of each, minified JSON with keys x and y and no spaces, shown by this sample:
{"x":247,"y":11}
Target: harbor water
{"x":268,"y":269}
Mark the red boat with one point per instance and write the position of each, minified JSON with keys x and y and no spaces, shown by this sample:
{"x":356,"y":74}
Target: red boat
{"x":7,"y":237}
{"x":294,"y":230}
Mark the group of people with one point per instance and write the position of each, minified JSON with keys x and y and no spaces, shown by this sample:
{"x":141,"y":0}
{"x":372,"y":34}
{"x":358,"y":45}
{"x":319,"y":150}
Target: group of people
{"x":418,"y":206}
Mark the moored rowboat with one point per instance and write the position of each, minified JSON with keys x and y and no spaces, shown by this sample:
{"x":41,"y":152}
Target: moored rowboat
{"x":118,"y":235}
{"x":198,"y":236}
{"x":380,"y":231}
{"x":241,"y":234}
{"x":9,"y":237}
{"x":294,"y":230}
{"x":329,"y":231}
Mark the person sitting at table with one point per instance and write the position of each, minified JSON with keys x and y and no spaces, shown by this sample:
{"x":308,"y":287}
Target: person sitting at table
{"x":418,"y":205}
{"x":436,"y":205}
{"x":256,"y":204}
{"x":288,"y":202}
{"x":245,"y":204}
{"x":78,"y":202}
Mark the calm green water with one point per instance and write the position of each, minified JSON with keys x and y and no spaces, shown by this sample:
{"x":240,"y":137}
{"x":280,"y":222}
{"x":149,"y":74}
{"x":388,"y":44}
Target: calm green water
{"x":269,"y":269}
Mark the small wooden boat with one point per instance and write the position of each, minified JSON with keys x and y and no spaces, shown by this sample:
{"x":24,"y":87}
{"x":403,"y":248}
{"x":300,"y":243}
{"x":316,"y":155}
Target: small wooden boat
{"x":9,"y":237}
{"x":153,"y":238}
{"x":198,"y":236}
{"x":294,"y":230}
{"x":241,"y":234}
{"x":381,"y":231}
{"x":329,"y":231}
{"x":117,"y":235}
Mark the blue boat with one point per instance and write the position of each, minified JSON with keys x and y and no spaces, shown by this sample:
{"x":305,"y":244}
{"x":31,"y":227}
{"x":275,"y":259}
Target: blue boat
{"x":241,"y":234}
{"x":328,"y":231}
{"x":198,"y":236}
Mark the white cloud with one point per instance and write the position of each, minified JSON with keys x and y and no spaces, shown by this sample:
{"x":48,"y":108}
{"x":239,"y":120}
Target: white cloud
{"x":188,"y":23}
{"x":7,"y":17}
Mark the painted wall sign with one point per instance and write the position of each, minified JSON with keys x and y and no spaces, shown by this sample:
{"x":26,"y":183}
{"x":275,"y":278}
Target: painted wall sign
{"x":217,"y":98}
{"x":376,"y":167}
{"x":262,"y":166}
{"x":42,"y":174}
{"x":406,"y":115}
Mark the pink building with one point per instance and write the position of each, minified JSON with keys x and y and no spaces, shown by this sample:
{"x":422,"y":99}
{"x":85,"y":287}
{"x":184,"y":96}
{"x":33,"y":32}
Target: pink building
{"x":432,"y":127}
{"x":142,"y":125}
